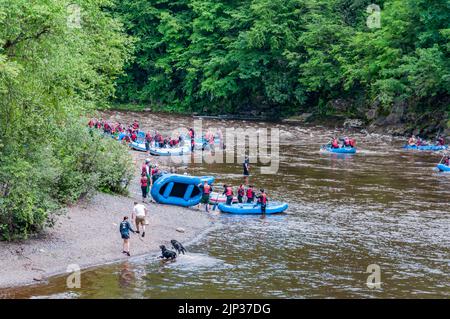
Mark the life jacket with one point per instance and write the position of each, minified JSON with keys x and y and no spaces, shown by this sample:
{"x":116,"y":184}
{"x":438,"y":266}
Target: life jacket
{"x":352,"y":142}
{"x":347,"y":141}
{"x":144,"y":169}
{"x":148,"y":137}
{"x":263,"y":198}
{"x":241,"y":191}
{"x":155,"y":171}
{"x":206,"y":189}
{"x":335,"y":143}
{"x":144,"y":181}
{"x":441,"y":141}
{"x":133,"y":137}
{"x":229,"y":191}
{"x":250,"y":193}
{"x":135,"y":125}
{"x":127,"y":138}
{"x":91,"y":123}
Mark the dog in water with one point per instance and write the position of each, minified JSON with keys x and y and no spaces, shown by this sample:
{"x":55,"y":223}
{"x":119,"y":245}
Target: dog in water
{"x":178,"y":246}
{"x":167,"y":254}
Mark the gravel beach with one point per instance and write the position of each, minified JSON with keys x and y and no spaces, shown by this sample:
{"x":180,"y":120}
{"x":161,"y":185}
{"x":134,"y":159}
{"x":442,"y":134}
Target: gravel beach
{"x":88,"y":235}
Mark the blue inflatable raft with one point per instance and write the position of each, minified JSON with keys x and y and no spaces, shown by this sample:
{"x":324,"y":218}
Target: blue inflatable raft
{"x":180,"y":190}
{"x":426,"y":147}
{"x":250,"y":208}
{"x":340,"y":150}
{"x":138,"y":146}
{"x":443,"y":168}
{"x":170,"y":151}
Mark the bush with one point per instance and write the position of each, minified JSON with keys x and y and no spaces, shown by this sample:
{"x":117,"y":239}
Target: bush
{"x":76,"y":164}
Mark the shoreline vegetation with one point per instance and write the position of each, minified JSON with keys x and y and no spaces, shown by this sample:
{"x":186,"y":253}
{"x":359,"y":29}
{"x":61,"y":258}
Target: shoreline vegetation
{"x":88,"y":235}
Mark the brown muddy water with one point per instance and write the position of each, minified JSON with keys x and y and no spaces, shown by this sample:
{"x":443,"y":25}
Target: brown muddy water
{"x":382,"y":206}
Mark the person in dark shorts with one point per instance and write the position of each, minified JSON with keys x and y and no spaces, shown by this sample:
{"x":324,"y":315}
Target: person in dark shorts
{"x":125,"y":228}
{"x":206,"y":193}
{"x":262,"y":200}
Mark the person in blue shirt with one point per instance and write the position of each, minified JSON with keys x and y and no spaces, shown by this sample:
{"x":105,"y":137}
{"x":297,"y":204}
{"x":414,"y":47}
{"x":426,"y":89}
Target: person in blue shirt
{"x":125,"y":228}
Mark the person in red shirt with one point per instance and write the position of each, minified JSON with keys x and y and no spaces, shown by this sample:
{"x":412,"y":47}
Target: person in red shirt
{"x":334,"y":143}
{"x":133,"y":136}
{"x":228,"y":192}
{"x":144,"y":186}
{"x":250,"y":194}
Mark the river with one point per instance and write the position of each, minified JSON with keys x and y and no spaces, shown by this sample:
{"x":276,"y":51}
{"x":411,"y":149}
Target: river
{"x":383,"y":206}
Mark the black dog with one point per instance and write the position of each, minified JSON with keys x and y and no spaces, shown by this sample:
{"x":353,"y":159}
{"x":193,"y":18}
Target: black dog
{"x":178,"y":246}
{"x":167,"y":254}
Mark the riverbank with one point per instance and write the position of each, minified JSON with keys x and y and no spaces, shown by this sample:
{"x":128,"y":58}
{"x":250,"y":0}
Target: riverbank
{"x":88,"y":235}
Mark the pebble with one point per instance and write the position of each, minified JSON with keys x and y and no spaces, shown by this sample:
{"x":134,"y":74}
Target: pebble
{"x":38,"y":278}
{"x":180,"y":229}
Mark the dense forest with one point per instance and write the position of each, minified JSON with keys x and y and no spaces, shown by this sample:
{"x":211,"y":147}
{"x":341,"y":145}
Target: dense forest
{"x":387,"y":63}
{"x":51,"y":73}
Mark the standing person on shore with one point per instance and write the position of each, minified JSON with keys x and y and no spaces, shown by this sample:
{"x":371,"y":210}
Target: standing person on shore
{"x":144,"y":186}
{"x":228,"y":192}
{"x":125,"y":228}
{"x":206,"y":191}
{"x":139,"y":215}
{"x":241,"y":193}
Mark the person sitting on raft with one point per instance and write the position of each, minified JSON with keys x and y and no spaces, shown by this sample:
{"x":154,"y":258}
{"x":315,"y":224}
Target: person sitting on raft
{"x":263,"y":200}
{"x":412,"y":140}
{"x":135,"y":125}
{"x":348,"y":142}
{"x":241,"y":193}
{"x":446,"y":160}
{"x":334,"y":143}
{"x":228,"y":192}
{"x":250,"y":194}
{"x":440,"y":141}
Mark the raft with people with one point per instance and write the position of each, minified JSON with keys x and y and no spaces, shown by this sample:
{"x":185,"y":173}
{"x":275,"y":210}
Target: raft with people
{"x":348,"y":146}
{"x":169,"y":151}
{"x":426,"y":147}
{"x":251,"y":208}
{"x":179,"y":190}
{"x":443,"y":168}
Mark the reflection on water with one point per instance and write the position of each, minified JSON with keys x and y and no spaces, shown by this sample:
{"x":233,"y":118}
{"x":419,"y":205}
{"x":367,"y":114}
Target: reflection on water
{"x":381,"y":206}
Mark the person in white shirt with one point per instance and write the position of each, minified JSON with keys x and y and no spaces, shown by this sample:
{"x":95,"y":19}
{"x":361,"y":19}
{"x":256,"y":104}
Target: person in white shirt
{"x":138,"y":216}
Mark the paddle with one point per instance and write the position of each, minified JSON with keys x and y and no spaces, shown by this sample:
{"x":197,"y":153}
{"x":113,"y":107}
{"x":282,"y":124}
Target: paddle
{"x":217,"y":198}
